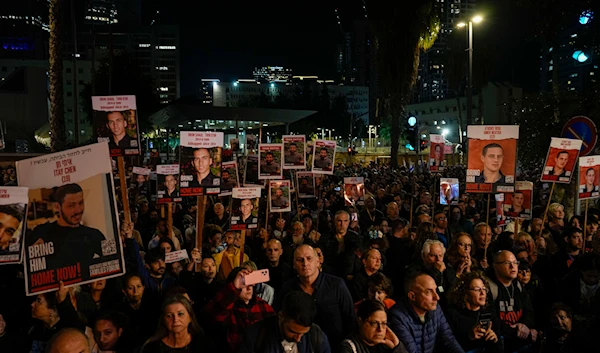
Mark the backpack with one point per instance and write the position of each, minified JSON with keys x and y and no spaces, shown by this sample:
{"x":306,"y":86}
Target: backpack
{"x":315,"y":338}
{"x":494,"y":289}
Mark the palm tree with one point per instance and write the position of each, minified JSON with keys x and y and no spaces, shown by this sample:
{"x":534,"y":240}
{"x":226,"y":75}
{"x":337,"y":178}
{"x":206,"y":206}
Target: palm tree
{"x":57,"y":108}
{"x":401,"y":29}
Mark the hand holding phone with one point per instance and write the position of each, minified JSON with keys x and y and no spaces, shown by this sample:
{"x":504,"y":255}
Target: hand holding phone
{"x":258,"y":276}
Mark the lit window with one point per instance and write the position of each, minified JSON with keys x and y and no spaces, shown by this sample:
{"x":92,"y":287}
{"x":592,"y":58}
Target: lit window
{"x":141,"y":45}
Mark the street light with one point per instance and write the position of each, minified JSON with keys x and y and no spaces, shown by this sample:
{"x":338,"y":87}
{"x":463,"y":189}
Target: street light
{"x":475,"y":19}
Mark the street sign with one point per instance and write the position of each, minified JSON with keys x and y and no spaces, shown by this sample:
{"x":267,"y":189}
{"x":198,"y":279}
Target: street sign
{"x":581,"y":128}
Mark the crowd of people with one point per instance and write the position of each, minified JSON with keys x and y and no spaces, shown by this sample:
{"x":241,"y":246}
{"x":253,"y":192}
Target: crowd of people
{"x":399,"y":274}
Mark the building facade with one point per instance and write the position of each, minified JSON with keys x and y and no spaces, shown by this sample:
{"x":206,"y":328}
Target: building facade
{"x":24,"y":29}
{"x":272,"y":74}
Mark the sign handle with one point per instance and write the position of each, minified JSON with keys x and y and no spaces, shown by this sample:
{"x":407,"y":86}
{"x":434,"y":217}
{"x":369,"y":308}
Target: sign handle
{"x":242,"y":245}
{"x":201,"y":205}
{"x":487,"y":222}
{"x":169,"y":219}
{"x":547,"y":206}
{"x":585,"y":218}
{"x":124,"y":195}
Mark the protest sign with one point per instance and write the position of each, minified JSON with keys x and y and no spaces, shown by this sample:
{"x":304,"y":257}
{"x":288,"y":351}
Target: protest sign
{"x":354,"y":191}
{"x":519,"y":203}
{"x":115,"y":121}
{"x":306,"y":185}
{"x":436,"y":153}
{"x":13,"y":213}
{"x":449,"y":191}
{"x":492,"y":158}
{"x":560,"y":160}
{"x":279,"y":196}
{"x":168,"y":185}
{"x":270,"y":156}
{"x":74,"y":236}
{"x":245,"y":208}
{"x":294,"y":147}
{"x":229,"y":177}
{"x":589,"y":177}
{"x":323,"y":157}
{"x":175,"y":256}
{"x":200,"y":160}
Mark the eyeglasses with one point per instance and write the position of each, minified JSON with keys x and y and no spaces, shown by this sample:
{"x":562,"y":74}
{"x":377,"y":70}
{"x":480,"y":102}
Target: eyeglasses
{"x":508,"y":263}
{"x":479,"y":289}
{"x":377,"y":324}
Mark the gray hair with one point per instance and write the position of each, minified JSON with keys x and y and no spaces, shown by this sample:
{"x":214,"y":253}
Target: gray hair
{"x":341,"y":212}
{"x":428,"y":244}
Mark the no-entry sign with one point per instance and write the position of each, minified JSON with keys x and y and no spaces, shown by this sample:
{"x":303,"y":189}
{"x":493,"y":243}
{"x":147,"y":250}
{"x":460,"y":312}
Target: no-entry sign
{"x":581,"y":128}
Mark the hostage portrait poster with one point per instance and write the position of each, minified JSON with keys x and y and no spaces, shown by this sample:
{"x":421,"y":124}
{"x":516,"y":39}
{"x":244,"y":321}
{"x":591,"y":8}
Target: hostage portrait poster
{"x":115,"y":121}
{"x":73,"y":236}
{"x":13,"y":212}
{"x":200,"y":159}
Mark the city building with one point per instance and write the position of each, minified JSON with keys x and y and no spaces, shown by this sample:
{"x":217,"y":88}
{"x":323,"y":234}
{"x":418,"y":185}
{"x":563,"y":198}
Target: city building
{"x":244,"y":91}
{"x":24,"y":29}
{"x":272,"y":74}
{"x":431,"y":80}
{"x":572,"y":59}
{"x":443,"y":116}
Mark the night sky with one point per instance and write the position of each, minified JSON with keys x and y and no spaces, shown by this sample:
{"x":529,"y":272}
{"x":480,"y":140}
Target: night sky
{"x":226,"y":40}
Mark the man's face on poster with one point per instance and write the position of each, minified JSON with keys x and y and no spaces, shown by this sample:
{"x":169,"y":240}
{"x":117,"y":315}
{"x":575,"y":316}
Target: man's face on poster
{"x":293,"y":149}
{"x":225,"y":175}
{"x":278,"y":193}
{"x":202,"y":160}
{"x":493,"y":158}
{"x":170,"y":182}
{"x":305,"y":182}
{"x":561,"y":160}
{"x":438,"y":152}
{"x":8,"y":227}
{"x":116,"y":123}
{"x":445,"y":187}
{"x":269,"y":158}
{"x":590,"y":177}
{"x":323,"y":154}
{"x":71,"y":209}
{"x":518,"y":199}
{"x":246,"y":207}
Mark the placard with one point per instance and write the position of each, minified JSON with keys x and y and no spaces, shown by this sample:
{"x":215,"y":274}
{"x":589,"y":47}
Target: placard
{"x":200,"y":159}
{"x":436,"y":153}
{"x":245,"y":208}
{"x":306,"y":185}
{"x":167,"y":176}
{"x":271,"y":158}
{"x":74,"y":234}
{"x":354,"y":191}
{"x":449,"y":191}
{"x":229,"y":177}
{"x":234,"y":145}
{"x":294,"y":147}
{"x":519,"y":204}
{"x":175,"y":256}
{"x":115,"y":121}
{"x":251,"y":171}
{"x":560,"y":160}
{"x":13,"y":213}
{"x":141,"y":171}
{"x":492,"y":158}
{"x":250,"y":142}
{"x":589,"y":177}
{"x":279,"y":196}
{"x":500,"y":216}
{"x":323,"y":157}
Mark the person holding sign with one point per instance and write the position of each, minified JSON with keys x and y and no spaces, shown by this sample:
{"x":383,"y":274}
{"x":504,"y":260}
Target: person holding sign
{"x":492,"y":157}
{"x":323,"y":162}
{"x":560,"y":163}
{"x":117,"y":124}
{"x":59,"y":239}
{"x":171,"y":186}
{"x":203,"y":175}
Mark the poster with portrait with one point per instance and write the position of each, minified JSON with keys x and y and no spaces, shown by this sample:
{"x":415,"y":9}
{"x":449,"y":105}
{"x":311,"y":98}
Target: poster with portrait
{"x":200,"y":160}
{"x":115,"y":121}
{"x":589,"y":177}
{"x":519,"y":203}
{"x":251,"y":171}
{"x":306,"y":185}
{"x":73,"y":235}
{"x":280,"y":196}
{"x":167,"y":176}
{"x":560,"y":160}
{"x":354,"y":191}
{"x":250,"y":143}
{"x":492,"y":158}
{"x":153,"y":185}
{"x":229,"y":177}
{"x":270,"y":157}
{"x":244,"y":208}
{"x":288,"y":174}
{"x":449,"y":191}
{"x":234,"y":145}
{"x":139,"y":182}
{"x":436,"y":153}
{"x":501,"y":219}
{"x":323,"y":157}
{"x":13,"y":213}
{"x":294,"y":147}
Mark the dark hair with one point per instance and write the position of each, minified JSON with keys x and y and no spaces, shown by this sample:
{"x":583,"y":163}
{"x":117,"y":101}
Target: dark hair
{"x":128,"y":278}
{"x":300,"y":307}
{"x":118,"y":319}
{"x":14,"y":210}
{"x":61,"y":192}
{"x":411,"y":279}
{"x":154,"y":255}
{"x":51,"y":301}
{"x":379,"y":281}
{"x":269,"y":153}
{"x":488,"y":146}
{"x":368,"y":307}
{"x":556,"y":307}
{"x":168,"y":241}
{"x":570,"y":231}
{"x":458,"y":293}
{"x":592,"y":169}
{"x":561,"y":152}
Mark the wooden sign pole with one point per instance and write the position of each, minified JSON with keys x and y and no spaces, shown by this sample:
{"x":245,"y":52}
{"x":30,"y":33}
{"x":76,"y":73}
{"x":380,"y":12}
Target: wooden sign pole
{"x":547,"y":206}
{"x":242,"y":245}
{"x":585,"y":218}
{"x":124,"y":195}
{"x":200,"y":206}
{"x":170,"y":219}
{"x":487,"y":222}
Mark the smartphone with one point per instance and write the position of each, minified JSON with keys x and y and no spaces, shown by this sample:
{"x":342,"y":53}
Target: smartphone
{"x":354,"y":217}
{"x":258,"y":276}
{"x":484,"y":320}
{"x":337,"y":189}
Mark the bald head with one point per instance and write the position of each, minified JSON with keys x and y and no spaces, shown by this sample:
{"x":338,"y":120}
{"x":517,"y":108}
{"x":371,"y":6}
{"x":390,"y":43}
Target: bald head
{"x":69,"y":340}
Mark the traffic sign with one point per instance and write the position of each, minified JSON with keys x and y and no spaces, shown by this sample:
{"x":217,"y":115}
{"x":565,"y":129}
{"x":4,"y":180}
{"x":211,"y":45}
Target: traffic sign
{"x":581,"y":128}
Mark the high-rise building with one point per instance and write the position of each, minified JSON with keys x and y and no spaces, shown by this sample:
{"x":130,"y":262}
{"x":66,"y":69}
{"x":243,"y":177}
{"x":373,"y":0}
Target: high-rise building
{"x":24,"y":29}
{"x":572,"y":59}
{"x":272,"y":74}
{"x":431,"y":80}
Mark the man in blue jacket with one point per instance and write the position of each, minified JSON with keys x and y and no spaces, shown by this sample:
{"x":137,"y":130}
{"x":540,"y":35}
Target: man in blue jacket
{"x":292,"y":330}
{"x":418,"y":321}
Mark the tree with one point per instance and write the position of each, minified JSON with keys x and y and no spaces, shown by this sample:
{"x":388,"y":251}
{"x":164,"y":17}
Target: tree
{"x":401,"y":29}
{"x":55,"y":72}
